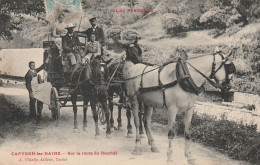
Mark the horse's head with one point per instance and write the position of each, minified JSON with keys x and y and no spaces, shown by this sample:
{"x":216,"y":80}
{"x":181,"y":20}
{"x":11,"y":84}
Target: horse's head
{"x":222,"y":74}
{"x":99,"y":69}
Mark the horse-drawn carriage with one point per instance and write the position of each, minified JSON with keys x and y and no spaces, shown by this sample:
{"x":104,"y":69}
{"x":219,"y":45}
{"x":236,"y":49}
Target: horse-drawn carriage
{"x":55,"y":74}
{"x":172,"y":86}
{"x":62,"y":90}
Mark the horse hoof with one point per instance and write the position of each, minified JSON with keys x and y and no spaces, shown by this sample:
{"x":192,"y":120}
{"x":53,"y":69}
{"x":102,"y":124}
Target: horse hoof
{"x":109,"y":136}
{"x":97,"y":136}
{"x":169,"y":156}
{"x":169,"y":160}
{"x":119,"y":127}
{"x":137,"y":152}
{"x":192,"y":161}
{"x":142,"y":136}
{"x":76,"y":130}
{"x":129,"y":135}
{"x":85,"y":129}
{"x":155,"y":149}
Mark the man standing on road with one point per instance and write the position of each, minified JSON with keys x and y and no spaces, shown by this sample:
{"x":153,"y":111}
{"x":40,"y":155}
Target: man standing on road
{"x":31,"y":80}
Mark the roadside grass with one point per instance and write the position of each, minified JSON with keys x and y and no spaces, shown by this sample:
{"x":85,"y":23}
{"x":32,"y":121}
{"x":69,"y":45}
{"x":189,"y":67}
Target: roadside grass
{"x":11,"y":116}
{"x":236,"y":140}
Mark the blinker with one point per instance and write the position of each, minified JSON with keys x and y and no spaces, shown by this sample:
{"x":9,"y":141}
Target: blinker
{"x":230,"y":68}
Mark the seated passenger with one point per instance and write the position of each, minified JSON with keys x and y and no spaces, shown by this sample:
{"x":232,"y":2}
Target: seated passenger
{"x":58,"y":30}
{"x":69,"y":45}
{"x":92,"y":49}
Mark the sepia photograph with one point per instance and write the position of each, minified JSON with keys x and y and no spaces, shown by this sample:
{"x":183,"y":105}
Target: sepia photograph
{"x":130,"y":82}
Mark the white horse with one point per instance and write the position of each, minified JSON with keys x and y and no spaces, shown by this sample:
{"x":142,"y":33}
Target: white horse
{"x":178,"y":95}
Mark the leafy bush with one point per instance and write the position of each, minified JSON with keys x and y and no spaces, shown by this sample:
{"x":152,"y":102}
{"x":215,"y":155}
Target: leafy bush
{"x":180,"y":16}
{"x":11,"y":15}
{"x":236,"y":140}
{"x":220,"y":18}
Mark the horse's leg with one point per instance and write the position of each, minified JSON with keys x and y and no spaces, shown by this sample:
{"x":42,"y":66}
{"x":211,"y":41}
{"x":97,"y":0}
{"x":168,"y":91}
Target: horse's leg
{"x":74,"y":101}
{"x":103,"y":102}
{"x":172,"y":112}
{"x":148,"y":111}
{"x":141,"y":118}
{"x":110,"y":103}
{"x":187,"y":134}
{"x":85,"y":109}
{"x":134,"y":106}
{"x":129,"y":126}
{"x":95,"y":115}
{"x":119,"y":119}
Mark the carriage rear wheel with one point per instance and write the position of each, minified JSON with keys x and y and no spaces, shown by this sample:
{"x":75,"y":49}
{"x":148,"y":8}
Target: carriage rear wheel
{"x":55,"y":106}
{"x":101,"y":114}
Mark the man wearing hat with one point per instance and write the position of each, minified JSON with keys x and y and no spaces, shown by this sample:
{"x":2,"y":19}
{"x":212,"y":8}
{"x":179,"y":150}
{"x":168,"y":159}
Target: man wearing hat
{"x":98,"y":31}
{"x":69,"y":43}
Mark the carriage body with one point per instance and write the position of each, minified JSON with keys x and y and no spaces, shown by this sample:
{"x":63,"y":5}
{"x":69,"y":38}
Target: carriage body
{"x":55,"y":74}
{"x":54,"y":70}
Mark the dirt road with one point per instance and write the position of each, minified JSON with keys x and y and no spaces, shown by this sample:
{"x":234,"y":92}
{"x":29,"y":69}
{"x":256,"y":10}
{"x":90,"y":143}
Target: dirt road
{"x":58,"y":144}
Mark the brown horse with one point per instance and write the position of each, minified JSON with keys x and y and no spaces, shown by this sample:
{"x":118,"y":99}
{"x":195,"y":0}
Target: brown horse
{"x":117,"y":86}
{"x":173,"y":86}
{"x":92,"y":86}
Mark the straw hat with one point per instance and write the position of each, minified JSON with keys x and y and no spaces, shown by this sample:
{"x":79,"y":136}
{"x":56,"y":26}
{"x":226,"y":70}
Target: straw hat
{"x":70,"y":25}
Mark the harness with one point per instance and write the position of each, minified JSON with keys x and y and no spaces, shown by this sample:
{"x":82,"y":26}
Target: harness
{"x":184,"y":78}
{"x":154,"y":88}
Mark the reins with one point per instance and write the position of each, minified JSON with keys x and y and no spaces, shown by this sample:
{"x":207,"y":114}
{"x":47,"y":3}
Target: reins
{"x":216,"y":85}
{"x":207,"y":78}
{"x":163,"y":65}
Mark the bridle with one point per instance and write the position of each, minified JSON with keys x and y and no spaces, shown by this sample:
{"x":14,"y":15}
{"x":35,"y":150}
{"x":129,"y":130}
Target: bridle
{"x":213,"y":69}
{"x":101,"y":80}
{"x":229,"y":69}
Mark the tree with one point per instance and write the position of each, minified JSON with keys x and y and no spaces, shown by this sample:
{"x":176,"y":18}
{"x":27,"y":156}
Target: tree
{"x":11,"y":14}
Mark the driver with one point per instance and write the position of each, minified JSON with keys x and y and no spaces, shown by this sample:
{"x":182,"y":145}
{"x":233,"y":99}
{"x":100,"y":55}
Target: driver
{"x":69,"y":44}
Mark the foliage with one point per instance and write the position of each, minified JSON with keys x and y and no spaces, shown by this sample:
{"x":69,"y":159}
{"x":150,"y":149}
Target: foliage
{"x":234,"y":139}
{"x":179,"y":16}
{"x":106,"y":10}
{"x":220,"y":18}
{"x":11,"y":14}
{"x":238,"y":141}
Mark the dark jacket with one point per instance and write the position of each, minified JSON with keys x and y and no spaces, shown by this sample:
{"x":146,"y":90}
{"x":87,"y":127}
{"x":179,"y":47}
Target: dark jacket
{"x":29,"y":75}
{"x":68,"y":43}
{"x":98,"y":31}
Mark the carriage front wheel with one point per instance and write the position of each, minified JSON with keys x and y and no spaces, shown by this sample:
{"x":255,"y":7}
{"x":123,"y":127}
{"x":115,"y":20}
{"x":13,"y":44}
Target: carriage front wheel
{"x":55,"y":106}
{"x":101,"y":114}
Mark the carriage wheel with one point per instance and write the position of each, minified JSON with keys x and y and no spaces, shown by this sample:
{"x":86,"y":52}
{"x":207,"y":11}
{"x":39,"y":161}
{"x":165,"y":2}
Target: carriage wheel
{"x":55,"y":106}
{"x":101,"y":114}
